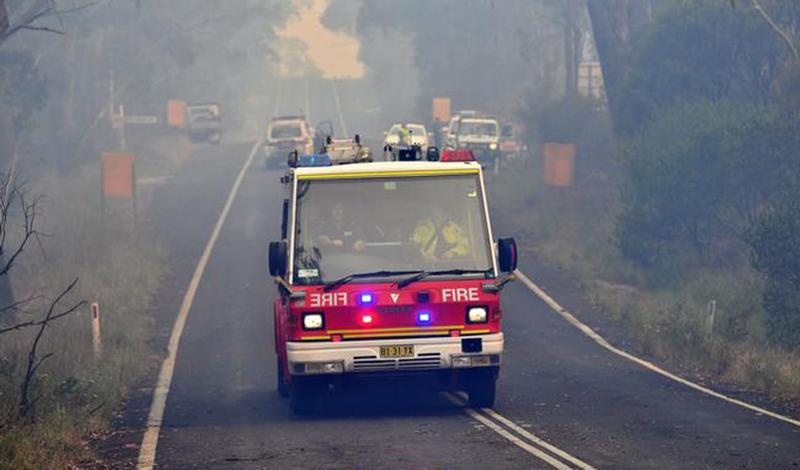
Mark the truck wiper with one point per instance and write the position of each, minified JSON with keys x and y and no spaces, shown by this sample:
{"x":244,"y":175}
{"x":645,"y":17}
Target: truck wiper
{"x":344,"y":280}
{"x":423,"y":274}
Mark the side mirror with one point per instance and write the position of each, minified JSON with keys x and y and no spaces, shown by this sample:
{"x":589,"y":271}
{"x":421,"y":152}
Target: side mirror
{"x":278,"y":258}
{"x":433,"y":154}
{"x":357,"y":139}
{"x":328,"y":140}
{"x":507,"y":254}
{"x":292,"y":160}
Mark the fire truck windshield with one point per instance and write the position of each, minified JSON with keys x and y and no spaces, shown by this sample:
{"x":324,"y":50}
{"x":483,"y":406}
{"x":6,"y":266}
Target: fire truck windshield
{"x":435,"y":224}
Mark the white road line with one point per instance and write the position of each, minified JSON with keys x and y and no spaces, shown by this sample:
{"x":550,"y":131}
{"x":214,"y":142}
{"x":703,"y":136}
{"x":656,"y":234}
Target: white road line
{"x":339,"y":109}
{"x":278,"y":99}
{"x":646,"y":364}
{"x":538,"y":453}
{"x":307,"y":101}
{"x":147,"y":452}
{"x":537,"y":440}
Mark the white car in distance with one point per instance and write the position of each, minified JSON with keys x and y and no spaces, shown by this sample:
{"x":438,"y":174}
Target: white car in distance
{"x":418,"y":135}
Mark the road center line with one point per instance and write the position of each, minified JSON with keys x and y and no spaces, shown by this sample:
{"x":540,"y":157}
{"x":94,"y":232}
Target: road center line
{"x":537,"y":440}
{"x":278,"y":99}
{"x":510,"y":437}
{"x":345,"y":134}
{"x":147,"y":452}
{"x":586,"y":330}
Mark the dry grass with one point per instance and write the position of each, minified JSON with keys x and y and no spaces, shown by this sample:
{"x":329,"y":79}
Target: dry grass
{"x":120,"y":267}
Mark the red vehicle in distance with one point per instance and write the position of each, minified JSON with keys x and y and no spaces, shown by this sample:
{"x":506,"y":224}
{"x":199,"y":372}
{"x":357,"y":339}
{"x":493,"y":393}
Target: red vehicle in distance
{"x":388,"y":268}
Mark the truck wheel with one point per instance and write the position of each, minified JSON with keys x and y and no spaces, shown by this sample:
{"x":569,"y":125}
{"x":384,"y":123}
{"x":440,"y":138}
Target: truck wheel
{"x":481,"y":390}
{"x":282,"y":386}
{"x":301,"y":396}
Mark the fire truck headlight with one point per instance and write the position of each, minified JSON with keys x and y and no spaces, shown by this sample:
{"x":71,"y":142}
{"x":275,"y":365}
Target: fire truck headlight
{"x":313,"y":321}
{"x":492,"y":146}
{"x":477,"y":315}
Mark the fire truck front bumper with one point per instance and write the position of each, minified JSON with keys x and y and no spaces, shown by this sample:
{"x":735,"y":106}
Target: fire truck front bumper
{"x":396,"y":355}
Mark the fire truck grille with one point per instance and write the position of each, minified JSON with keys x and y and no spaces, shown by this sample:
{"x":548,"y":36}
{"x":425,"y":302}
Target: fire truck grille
{"x":421,"y":362}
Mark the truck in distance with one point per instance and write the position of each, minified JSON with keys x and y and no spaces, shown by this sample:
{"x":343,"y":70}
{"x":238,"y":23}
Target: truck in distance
{"x":407,"y":142}
{"x":388,"y":269}
{"x":286,"y":134}
{"x":341,"y":151}
{"x":479,"y":134}
{"x":204,"y":122}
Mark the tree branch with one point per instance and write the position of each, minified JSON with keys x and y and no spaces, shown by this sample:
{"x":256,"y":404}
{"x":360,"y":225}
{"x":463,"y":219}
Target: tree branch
{"x":25,"y":403}
{"x":38,"y":10}
{"x":44,"y":29}
{"x":27,"y":324}
{"x":14,"y":306}
{"x":11,"y":195}
{"x":776,"y":28}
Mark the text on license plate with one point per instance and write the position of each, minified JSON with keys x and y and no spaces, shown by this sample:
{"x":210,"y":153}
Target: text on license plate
{"x":397,"y":351}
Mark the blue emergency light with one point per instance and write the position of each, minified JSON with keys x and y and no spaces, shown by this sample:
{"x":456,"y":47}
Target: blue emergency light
{"x":424,"y":317}
{"x":366,"y":298}
{"x":315,"y":159}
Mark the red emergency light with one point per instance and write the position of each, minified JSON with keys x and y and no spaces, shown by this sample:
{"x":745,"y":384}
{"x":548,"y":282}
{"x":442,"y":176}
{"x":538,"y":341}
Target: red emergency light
{"x":457,"y":155}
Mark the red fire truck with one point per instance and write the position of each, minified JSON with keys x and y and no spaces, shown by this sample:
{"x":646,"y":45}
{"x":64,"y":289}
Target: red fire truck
{"x":388,"y":269}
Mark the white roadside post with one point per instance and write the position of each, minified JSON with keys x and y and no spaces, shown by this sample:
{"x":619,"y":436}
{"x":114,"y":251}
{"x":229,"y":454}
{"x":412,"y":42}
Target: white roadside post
{"x":97,"y":342}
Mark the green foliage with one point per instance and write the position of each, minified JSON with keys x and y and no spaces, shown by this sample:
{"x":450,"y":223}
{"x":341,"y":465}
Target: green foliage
{"x":776,"y":251}
{"x":483,"y":54}
{"x":699,"y":50}
{"x":566,"y":119}
{"x":697,"y":178}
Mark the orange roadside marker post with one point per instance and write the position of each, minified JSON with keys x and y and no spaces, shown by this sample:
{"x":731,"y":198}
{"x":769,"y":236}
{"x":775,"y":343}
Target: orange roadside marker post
{"x":441,"y":109}
{"x":176,"y":113}
{"x":119,"y":178}
{"x":559,"y":164}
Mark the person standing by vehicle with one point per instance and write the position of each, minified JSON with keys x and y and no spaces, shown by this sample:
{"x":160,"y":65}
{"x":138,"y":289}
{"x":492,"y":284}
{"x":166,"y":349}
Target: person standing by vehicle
{"x":440,"y":237}
{"x":404,"y":134}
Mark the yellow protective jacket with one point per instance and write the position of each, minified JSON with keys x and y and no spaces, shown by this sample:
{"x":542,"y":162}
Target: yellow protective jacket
{"x":455,"y":242}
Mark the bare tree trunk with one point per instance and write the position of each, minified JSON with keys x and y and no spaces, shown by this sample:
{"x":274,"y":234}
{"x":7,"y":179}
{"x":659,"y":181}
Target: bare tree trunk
{"x":573,"y":45}
{"x":7,"y":135}
{"x":613,"y":22}
{"x":4,"y":24}
{"x":6,"y":296}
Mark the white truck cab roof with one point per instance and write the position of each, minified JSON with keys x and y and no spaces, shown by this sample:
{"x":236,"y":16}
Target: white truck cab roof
{"x":356,"y":170}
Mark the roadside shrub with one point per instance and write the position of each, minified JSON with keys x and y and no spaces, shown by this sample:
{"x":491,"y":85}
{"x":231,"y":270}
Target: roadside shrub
{"x":776,"y":253}
{"x":697,"y":50}
{"x":696,"y":180}
{"x":74,"y":392}
{"x":566,"y":119}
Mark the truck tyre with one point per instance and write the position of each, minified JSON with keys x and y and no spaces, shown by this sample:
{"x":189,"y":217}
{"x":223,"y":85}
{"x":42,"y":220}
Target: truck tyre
{"x":481,"y":390}
{"x":301,"y":396}
{"x":282,"y":386}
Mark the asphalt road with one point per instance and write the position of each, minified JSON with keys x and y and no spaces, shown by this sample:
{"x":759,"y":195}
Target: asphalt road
{"x":223,"y":411}
{"x":557,"y":387}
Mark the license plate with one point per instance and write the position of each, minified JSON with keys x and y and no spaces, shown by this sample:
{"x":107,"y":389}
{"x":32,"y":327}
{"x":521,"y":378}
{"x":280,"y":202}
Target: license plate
{"x":397,"y":351}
